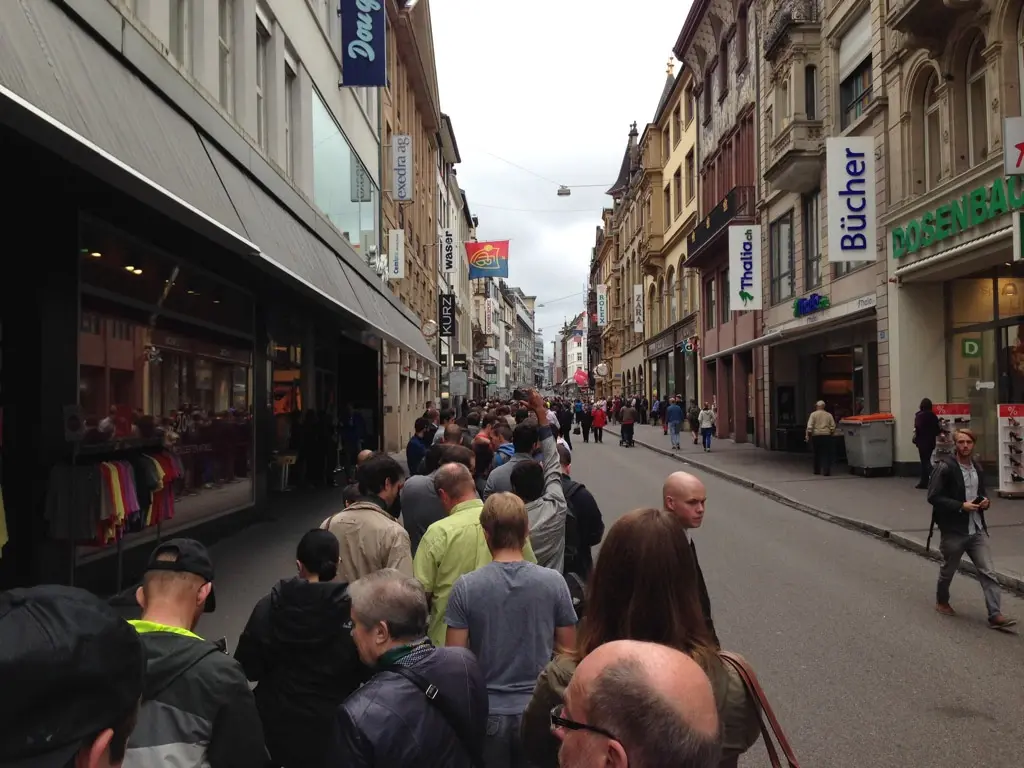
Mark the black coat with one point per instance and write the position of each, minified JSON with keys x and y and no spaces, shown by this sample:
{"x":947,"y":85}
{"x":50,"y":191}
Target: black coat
{"x":947,"y":494}
{"x":390,"y":723}
{"x":705,"y":598}
{"x":589,"y":527}
{"x":298,"y":646}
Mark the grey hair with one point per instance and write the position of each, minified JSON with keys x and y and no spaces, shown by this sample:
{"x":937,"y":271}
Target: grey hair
{"x":652,"y":730}
{"x":389,"y":596}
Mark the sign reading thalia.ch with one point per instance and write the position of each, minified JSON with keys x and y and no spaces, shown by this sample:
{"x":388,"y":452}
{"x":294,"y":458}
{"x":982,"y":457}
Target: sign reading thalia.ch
{"x":363,"y":45}
{"x":602,"y":305}
{"x":744,"y":267}
{"x":396,"y":254}
{"x":446,"y":315}
{"x":850,"y":170}
{"x":448,"y":246}
{"x":401,"y":167}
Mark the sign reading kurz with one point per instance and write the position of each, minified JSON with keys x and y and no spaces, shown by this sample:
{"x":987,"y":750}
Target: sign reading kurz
{"x":363,"y":47}
{"x":446,"y":314}
{"x":850,"y":170}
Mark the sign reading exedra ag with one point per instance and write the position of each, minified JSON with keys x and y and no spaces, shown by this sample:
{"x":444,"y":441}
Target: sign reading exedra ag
{"x":973,"y":209}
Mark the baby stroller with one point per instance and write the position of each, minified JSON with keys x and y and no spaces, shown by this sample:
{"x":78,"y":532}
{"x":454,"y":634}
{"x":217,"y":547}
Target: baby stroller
{"x":626,"y":436}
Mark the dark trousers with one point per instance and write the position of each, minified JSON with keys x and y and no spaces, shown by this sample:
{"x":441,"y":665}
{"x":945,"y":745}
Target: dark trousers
{"x":822,"y":447}
{"x":925,"y":453}
{"x":585,"y":429}
{"x":598,"y":434}
{"x":567,"y":435}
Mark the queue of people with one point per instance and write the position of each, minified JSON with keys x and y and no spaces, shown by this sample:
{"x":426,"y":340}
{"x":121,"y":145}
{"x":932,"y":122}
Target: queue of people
{"x":427,"y":624}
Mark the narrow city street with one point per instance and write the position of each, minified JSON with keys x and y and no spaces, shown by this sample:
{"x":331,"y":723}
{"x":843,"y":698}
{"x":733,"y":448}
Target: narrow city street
{"x":839,"y":625}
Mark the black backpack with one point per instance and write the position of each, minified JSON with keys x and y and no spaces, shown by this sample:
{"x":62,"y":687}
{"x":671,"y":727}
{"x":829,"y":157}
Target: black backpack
{"x":570,"y":570}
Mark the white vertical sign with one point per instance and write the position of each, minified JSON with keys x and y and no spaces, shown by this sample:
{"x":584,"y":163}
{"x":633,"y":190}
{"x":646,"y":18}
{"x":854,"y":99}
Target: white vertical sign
{"x":396,"y":254}
{"x":850,"y":170}
{"x":1013,"y":146}
{"x":448,"y":251}
{"x":401,"y":167}
{"x":638,"y":308}
{"x":602,"y":305}
{"x":489,"y":310}
{"x":744,"y":268}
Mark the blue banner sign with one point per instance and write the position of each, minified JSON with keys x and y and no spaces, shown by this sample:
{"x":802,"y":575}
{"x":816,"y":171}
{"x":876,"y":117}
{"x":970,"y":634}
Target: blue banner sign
{"x":363,"y":44}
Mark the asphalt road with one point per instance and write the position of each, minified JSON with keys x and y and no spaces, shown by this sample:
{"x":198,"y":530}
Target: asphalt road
{"x":839,"y":626}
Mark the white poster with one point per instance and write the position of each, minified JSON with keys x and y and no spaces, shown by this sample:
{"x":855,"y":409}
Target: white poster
{"x":602,"y":305}
{"x":401,"y":167}
{"x":396,"y":254}
{"x":744,"y":268}
{"x":638,"y":308}
{"x":489,"y":310}
{"x":850,"y":170}
{"x":448,"y":246}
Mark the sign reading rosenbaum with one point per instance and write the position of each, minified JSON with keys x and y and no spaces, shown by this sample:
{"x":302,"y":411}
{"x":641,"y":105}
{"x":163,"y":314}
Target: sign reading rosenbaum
{"x":850,"y":170}
{"x":744,"y":263}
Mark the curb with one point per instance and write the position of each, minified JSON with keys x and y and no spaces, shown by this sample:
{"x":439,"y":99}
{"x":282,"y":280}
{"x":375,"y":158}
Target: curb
{"x":1006,"y":580}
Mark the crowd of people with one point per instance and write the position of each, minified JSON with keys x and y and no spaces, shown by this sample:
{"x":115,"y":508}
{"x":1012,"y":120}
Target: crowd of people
{"x":453,"y":615}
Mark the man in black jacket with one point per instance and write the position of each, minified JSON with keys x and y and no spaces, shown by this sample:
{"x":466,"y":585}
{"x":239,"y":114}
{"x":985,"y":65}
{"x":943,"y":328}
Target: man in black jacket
{"x":584,"y":518}
{"x":390,"y":720}
{"x":685,"y":495}
{"x":956,"y":484}
{"x":197,"y":709}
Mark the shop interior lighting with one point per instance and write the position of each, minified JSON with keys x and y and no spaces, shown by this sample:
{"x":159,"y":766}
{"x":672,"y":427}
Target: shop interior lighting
{"x":136,"y":271}
{"x":130,"y":268}
{"x":96,"y":254}
{"x":1010,"y":289}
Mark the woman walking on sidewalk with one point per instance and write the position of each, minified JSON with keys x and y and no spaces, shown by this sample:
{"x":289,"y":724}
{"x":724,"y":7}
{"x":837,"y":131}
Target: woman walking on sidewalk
{"x":706,"y":421}
{"x":600,"y":419}
{"x":926,"y":432}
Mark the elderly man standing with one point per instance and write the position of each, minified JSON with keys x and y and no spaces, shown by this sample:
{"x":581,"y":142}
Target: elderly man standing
{"x":820,"y":428}
{"x":425,"y":707}
{"x":639,"y":705}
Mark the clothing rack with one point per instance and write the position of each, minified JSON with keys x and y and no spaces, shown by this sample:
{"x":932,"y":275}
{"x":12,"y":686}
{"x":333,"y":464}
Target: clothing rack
{"x":114,"y":450}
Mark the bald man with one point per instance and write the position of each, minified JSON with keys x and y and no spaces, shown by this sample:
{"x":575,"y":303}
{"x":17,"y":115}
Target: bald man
{"x":638,"y":705}
{"x":363,"y":456}
{"x":685,"y":495}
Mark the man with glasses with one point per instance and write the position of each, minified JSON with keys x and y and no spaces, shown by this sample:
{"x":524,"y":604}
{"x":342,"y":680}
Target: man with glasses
{"x":639,"y":705}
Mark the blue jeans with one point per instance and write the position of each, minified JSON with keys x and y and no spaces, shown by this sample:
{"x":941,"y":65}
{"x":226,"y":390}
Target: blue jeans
{"x":673,"y":431}
{"x":502,"y":745}
{"x":705,"y":436}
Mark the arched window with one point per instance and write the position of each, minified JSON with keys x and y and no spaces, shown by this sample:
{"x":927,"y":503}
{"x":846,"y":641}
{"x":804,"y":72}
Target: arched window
{"x":673,"y":297}
{"x":977,"y":114}
{"x":932,"y":133}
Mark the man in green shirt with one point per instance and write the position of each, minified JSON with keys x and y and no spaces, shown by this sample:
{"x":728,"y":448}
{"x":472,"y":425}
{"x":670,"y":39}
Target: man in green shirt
{"x":453,"y":546}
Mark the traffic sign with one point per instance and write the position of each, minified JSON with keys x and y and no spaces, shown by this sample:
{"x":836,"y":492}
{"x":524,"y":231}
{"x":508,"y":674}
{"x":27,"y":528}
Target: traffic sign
{"x":1013,"y":146}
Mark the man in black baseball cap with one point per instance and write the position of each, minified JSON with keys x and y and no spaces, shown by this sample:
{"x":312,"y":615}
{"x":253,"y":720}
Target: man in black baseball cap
{"x":191,"y":685}
{"x":71,"y":675}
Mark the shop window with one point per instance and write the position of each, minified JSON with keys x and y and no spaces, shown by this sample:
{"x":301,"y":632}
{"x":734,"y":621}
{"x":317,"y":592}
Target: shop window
{"x":709,"y":304}
{"x":171,"y":377}
{"x":781,"y":245}
{"x":970,"y":301}
{"x":342,"y":187}
{"x":977,"y":101}
{"x":812,"y":240}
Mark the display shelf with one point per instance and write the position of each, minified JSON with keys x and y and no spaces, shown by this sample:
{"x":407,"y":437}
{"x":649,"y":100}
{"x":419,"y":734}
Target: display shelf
{"x":1011,"y":450}
{"x":952,"y":416}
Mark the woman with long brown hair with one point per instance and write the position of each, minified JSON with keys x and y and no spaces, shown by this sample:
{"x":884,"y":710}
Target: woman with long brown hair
{"x":643,"y":587}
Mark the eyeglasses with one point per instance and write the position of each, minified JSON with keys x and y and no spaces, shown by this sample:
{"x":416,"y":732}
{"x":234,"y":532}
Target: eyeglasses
{"x":558,"y":721}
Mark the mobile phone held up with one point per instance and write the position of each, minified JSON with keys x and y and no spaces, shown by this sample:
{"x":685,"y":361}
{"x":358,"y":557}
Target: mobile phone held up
{"x":520,"y":394}
{"x":978,"y":499}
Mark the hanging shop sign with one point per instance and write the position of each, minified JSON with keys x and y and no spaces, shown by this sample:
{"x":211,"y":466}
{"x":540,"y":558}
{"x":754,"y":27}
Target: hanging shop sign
{"x":396,"y":254}
{"x":638,"y":308}
{"x":813,"y":303}
{"x":490,"y":368}
{"x":459,"y":360}
{"x":973,"y":209}
{"x":446,"y":315}
{"x":361,"y":188}
{"x":850,"y":168}
{"x":745,"y":261}
{"x":448,"y":246}
{"x":1013,"y":146}
{"x":602,"y":305}
{"x":363,"y":46}
{"x":401,"y":167}
{"x":660,"y":345}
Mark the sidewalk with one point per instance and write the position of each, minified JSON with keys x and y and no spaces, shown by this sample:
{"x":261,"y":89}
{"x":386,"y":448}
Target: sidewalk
{"x":887,"y":507}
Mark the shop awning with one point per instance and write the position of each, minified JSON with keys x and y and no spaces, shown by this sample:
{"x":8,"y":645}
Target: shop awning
{"x":63,"y":90}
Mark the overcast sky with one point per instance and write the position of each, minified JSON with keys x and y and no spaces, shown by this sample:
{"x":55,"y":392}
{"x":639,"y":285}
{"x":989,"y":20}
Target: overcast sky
{"x":552,"y":86}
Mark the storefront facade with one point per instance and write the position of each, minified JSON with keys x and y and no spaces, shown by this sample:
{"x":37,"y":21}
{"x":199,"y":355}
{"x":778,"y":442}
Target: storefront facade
{"x":195,"y":325}
{"x":672,"y":361}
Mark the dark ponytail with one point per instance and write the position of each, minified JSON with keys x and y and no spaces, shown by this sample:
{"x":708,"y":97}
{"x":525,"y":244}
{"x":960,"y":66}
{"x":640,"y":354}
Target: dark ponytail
{"x":318,"y":552}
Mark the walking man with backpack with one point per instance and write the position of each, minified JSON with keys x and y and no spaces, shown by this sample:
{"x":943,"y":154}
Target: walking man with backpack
{"x":584,"y":526}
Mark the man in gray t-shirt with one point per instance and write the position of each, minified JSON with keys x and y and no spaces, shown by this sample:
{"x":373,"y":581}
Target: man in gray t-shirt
{"x":511,"y":614}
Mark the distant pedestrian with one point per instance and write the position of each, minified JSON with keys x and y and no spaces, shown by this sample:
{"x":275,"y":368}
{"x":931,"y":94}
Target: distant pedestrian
{"x":958,"y":497}
{"x":926,"y":433}
{"x":586,"y":420}
{"x":820,"y":429}
{"x":600,"y":417}
{"x":693,"y":417}
{"x":674,"y":421}
{"x":706,"y":420}
{"x":627,"y":417}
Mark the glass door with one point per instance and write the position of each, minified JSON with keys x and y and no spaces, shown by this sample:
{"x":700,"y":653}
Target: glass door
{"x":973,"y":377}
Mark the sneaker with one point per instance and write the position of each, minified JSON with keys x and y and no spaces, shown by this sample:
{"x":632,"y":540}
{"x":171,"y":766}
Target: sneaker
{"x":945,"y":609}
{"x":1000,"y":622}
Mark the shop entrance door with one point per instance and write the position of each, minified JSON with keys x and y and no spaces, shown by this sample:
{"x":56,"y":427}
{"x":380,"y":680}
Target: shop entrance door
{"x":974,"y":363}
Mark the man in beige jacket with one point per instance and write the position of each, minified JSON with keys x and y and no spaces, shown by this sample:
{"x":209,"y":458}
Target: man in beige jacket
{"x":370,"y":538}
{"x":820,"y":429}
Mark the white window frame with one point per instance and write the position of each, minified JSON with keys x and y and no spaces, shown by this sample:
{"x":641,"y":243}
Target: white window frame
{"x":973,"y":78}
{"x":180,"y":32}
{"x":225,"y":54}
{"x":291,"y":84}
{"x":262,"y":76}
{"x":928,"y":111}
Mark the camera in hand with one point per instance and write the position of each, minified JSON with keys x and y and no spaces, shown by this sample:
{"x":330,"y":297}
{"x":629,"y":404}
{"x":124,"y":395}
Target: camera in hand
{"x":520,"y":394}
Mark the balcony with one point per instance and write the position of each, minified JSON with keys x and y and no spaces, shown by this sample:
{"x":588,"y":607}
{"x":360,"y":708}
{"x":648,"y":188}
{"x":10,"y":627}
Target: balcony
{"x":927,"y":19}
{"x":736,"y":206}
{"x":788,"y":19}
{"x":796,"y":157}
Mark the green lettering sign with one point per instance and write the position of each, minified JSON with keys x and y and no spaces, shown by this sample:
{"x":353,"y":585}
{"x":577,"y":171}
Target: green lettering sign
{"x":950,"y":219}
